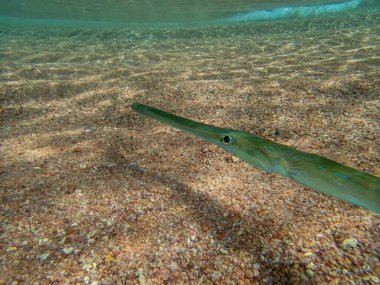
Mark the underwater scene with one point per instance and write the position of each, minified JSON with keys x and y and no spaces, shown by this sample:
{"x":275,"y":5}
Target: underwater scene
{"x":190,"y":142}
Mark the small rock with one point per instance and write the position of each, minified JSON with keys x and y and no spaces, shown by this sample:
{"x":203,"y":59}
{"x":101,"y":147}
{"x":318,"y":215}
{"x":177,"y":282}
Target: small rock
{"x":216,"y":276}
{"x":179,"y":249}
{"x":310,"y":273}
{"x":132,"y":217}
{"x":309,"y":253}
{"x":235,"y":159}
{"x":249,"y":274}
{"x":91,"y":234}
{"x":205,"y":227}
{"x":304,"y":277}
{"x":141,"y":277}
{"x":173,"y":266}
{"x":311,"y":266}
{"x":44,"y":241}
{"x":108,"y":259}
{"x":292,"y":252}
{"x":68,"y":250}
{"x":349,"y":244}
{"x":90,"y":129}
{"x":139,"y":272}
{"x":69,"y":230}
{"x":43,"y":256}
{"x":222,"y":250}
{"x":256,"y":270}
{"x":87,"y":267}
{"x":11,"y":248}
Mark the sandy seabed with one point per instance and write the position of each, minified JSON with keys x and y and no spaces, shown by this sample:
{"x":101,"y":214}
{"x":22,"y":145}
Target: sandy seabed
{"x":94,"y":193}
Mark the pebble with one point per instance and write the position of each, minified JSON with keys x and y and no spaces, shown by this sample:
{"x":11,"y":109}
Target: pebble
{"x":223,"y":251}
{"x":292,"y":252}
{"x":311,"y":266}
{"x":90,"y":129}
{"x":87,"y":267}
{"x":256,"y":273}
{"x":310,"y":273}
{"x":44,"y":241}
{"x":308,"y":254}
{"x":205,"y":227}
{"x":173,"y":266}
{"x":179,"y":249}
{"x":256,"y":270}
{"x":91,"y":234}
{"x":304,"y":277}
{"x":142,"y":279}
{"x":349,"y":244}
{"x":235,"y":159}
{"x":11,"y":248}
{"x":249,"y":274}
{"x":68,"y":250}
{"x":108,"y":259}
{"x":43,"y":256}
{"x":216,"y":276}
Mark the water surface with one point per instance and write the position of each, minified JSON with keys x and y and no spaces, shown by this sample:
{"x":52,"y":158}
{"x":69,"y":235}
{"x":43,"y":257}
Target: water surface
{"x":147,"y":12}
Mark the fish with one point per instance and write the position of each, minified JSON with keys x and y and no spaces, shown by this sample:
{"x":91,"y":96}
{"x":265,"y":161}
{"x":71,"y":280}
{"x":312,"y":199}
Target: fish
{"x":311,"y":170}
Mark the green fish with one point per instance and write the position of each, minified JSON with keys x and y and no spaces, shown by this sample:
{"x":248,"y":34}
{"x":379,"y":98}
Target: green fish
{"x":317,"y":172}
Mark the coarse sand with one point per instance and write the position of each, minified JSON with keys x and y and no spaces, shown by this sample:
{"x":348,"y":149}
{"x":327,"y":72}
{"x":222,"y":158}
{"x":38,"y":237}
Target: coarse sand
{"x":94,"y":193}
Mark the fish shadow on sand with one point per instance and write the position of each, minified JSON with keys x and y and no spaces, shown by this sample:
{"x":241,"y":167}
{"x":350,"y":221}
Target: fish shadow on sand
{"x":231,"y":230}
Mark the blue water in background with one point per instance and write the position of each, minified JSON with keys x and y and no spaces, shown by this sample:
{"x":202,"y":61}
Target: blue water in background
{"x":167,"y":13}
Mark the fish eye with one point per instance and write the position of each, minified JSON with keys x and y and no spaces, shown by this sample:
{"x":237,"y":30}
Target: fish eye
{"x":226,"y":139}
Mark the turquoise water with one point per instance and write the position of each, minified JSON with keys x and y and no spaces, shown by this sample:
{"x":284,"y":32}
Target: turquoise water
{"x":168,"y":12}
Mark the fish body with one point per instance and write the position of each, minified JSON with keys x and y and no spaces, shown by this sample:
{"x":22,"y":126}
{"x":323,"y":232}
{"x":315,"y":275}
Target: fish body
{"x":317,"y":172}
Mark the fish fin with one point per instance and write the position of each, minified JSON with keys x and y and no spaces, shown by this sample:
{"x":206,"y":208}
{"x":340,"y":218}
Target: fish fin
{"x":291,"y":162}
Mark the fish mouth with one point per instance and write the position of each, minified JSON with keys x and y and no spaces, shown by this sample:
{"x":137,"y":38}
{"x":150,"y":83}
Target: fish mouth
{"x":207,"y":132}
